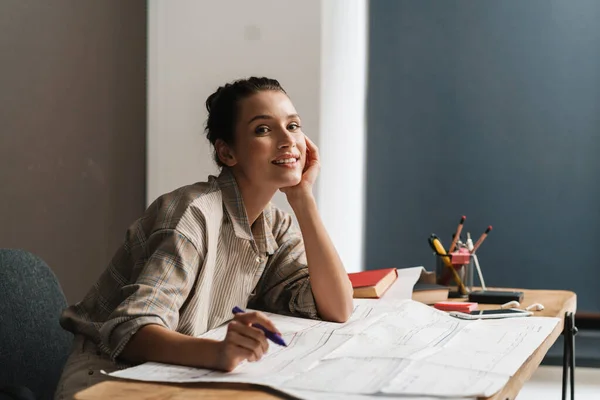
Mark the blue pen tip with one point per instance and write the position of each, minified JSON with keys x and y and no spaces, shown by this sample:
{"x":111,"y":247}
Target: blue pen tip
{"x":279,"y":340}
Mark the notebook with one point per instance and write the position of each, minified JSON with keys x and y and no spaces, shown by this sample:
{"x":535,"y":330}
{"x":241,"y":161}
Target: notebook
{"x":430,"y":293}
{"x":372,"y":284}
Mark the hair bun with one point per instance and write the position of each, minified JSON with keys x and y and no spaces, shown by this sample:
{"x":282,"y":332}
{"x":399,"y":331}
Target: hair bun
{"x":214,"y":98}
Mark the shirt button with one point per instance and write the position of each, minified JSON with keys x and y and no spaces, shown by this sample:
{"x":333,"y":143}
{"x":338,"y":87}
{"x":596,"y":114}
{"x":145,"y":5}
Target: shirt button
{"x":258,"y":259}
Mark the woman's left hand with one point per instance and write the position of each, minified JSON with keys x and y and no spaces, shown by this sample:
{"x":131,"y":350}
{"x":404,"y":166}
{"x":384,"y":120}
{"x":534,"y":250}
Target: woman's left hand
{"x":312,"y":166}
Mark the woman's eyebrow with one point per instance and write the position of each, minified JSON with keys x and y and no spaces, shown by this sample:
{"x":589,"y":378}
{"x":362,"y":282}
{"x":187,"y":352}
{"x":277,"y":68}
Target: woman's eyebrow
{"x":262,"y":116}
{"x":265,"y":116}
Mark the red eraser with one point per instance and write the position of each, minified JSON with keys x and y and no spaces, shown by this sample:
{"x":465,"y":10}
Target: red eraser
{"x":460,"y":257}
{"x":455,"y":306}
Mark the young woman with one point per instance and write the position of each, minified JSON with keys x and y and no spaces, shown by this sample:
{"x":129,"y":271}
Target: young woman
{"x":203,"y":249}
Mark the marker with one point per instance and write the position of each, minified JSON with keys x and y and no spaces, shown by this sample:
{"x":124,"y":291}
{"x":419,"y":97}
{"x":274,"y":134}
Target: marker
{"x":481,"y":239}
{"x":457,"y":234}
{"x":435,"y":243}
{"x":272,"y":336}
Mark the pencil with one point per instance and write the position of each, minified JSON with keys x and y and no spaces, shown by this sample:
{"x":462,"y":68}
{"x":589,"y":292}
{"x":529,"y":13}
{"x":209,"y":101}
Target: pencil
{"x":457,"y":234}
{"x":481,"y":239}
{"x":441,"y":252}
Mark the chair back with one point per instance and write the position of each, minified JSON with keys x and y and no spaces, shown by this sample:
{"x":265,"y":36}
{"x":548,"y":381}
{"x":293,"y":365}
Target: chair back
{"x":33,"y":345}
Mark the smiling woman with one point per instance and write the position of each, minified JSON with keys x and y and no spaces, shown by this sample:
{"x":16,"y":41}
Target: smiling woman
{"x":206,"y":248}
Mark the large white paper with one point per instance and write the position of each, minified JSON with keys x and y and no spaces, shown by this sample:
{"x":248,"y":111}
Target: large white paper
{"x":348,"y":375}
{"x":317,"y":395}
{"x":280,"y":364}
{"x":395,"y":347}
{"x":436,"y":380}
{"x":409,"y":329}
{"x":498,"y":346}
{"x":157,"y":372}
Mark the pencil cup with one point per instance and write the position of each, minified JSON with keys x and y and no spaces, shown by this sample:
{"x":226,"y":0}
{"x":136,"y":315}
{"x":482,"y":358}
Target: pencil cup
{"x":463,"y":265}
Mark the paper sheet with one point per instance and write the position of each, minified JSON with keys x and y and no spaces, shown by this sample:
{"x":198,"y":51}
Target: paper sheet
{"x":157,"y":372}
{"x":347,"y":375}
{"x":280,"y":364}
{"x":498,"y":346}
{"x":402,"y":287}
{"x":316,"y":395}
{"x":389,"y":347}
{"x":437,"y":380}
{"x":409,"y":329}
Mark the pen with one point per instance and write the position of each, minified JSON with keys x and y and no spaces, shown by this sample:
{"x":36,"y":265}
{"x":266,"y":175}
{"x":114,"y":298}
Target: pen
{"x":457,"y":235}
{"x":475,"y":260}
{"x":481,"y":239}
{"x":439,"y":249}
{"x":272,"y":336}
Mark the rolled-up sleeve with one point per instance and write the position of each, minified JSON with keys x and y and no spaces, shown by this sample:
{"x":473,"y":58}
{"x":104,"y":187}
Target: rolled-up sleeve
{"x":284,"y":287}
{"x":159,"y":287}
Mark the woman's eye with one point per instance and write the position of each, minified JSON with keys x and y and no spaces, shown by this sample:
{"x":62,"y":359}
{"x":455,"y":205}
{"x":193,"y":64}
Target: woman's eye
{"x":261,"y":130}
{"x":293,"y":126}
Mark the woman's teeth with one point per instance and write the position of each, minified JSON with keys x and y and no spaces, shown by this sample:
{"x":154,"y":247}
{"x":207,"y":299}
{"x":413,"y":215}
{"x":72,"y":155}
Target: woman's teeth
{"x":285,"y":161}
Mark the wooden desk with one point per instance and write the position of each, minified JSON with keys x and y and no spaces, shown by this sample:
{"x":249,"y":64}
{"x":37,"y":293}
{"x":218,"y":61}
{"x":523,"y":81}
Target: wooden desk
{"x":556,"y":303}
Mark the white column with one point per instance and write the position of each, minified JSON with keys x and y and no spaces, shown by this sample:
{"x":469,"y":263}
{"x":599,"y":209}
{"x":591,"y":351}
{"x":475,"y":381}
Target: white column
{"x":343,"y":92}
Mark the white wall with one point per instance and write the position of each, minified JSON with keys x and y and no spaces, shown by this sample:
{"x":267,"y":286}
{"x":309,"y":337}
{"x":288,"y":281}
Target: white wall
{"x":196,"y":46}
{"x":343,"y":126}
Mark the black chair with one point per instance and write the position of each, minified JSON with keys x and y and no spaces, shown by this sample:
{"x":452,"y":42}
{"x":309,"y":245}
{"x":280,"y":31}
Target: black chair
{"x":33,"y":346}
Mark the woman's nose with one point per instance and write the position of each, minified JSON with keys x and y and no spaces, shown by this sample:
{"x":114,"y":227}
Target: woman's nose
{"x":286,"y":139}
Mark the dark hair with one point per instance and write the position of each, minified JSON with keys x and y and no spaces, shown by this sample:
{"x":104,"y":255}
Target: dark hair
{"x":223,"y":108}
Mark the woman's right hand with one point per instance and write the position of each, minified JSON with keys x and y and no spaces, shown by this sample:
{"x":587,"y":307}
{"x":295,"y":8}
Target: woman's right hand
{"x":243,"y":341}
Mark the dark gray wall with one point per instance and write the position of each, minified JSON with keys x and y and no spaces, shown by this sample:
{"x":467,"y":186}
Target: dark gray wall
{"x":489,"y":109}
{"x":72,"y":131}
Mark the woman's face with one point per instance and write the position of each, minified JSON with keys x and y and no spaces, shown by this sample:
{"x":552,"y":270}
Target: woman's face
{"x":269,"y":148}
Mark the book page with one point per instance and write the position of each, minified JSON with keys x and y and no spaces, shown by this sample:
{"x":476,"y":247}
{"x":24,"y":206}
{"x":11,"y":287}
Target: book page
{"x":402,"y":288}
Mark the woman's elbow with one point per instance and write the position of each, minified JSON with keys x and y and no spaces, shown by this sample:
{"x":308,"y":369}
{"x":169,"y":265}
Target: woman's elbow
{"x":340,"y":317}
{"x":341,"y":313}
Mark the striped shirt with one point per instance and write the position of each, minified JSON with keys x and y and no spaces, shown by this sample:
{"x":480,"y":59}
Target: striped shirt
{"x":188,"y":261}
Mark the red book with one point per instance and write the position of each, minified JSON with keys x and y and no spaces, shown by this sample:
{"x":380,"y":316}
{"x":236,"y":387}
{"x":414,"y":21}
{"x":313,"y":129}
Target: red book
{"x":372,"y":284}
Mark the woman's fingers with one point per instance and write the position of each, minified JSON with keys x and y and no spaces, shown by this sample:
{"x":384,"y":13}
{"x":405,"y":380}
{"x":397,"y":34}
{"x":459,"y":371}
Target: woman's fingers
{"x":248,"y":338}
{"x":256,"y":317}
{"x":311,"y":148}
{"x":249,"y":348}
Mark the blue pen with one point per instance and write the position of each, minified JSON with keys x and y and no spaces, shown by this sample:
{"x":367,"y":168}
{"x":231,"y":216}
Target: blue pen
{"x":274,"y":337}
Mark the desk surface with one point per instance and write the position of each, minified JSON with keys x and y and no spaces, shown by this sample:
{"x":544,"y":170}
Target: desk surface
{"x":556,"y":303}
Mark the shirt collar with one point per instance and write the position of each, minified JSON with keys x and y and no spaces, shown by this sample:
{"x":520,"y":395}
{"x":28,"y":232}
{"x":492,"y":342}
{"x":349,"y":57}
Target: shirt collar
{"x":234,"y":205}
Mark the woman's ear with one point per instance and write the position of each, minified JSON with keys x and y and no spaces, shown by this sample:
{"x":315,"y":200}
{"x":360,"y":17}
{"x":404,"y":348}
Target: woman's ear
{"x":225,"y":153}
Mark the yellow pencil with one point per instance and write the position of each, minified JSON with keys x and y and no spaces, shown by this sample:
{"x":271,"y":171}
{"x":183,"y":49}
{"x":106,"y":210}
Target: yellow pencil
{"x":446,"y":259}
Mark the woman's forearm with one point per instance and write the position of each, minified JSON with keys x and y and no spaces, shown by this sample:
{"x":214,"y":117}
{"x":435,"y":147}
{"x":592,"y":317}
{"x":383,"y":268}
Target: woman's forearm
{"x":329,"y":280}
{"x":159,"y":344}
